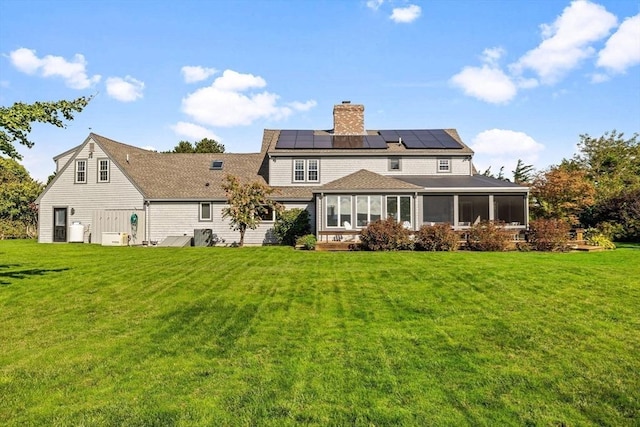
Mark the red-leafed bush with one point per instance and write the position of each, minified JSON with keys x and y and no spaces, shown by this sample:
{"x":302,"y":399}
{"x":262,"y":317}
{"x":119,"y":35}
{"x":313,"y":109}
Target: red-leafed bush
{"x":439,"y":237}
{"x":549,"y":235}
{"x":385,"y":235}
{"x":488,"y":236}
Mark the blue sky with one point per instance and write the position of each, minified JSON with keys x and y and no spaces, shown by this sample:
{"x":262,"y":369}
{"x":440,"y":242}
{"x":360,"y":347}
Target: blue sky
{"x":517,"y":79}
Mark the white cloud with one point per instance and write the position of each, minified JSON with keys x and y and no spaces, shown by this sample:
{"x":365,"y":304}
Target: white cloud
{"x":502,"y":147}
{"x":486,"y":83}
{"x":227,"y":103}
{"x":193,"y":74}
{"x":374,"y":4}
{"x":404,"y":15}
{"x":622,"y":50}
{"x":504,"y":141}
{"x":600,"y":78}
{"x":492,"y":55}
{"x":73,"y":72}
{"x":567,"y":41}
{"x":194,"y":132}
{"x":303,"y":106}
{"x":125,"y":89}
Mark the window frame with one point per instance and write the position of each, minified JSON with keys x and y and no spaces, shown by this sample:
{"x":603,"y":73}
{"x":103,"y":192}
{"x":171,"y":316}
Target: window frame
{"x":77,"y":171}
{"x":390,"y":162}
{"x":368,"y":198}
{"x":302,"y":167}
{"x":201,"y":218}
{"x":271,"y":213}
{"x":339,"y":212}
{"x":108,"y":170}
{"x":444,"y":162}
{"x":398,"y":212}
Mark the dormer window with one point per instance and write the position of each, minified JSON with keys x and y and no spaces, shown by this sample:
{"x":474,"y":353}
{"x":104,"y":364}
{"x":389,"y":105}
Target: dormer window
{"x":444,"y":165}
{"x":216,"y":165}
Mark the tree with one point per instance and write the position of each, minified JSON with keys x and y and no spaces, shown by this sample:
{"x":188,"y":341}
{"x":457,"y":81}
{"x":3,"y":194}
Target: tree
{"x":18,"y":192}
{"x":561,"y":192}
{"x":500,"y":175}
{"x":205,"y":145}
{"x":523,"y":173}
{"x":183,"y":147}
{"x":291,"y":224}
{"x":15,"y":121}
{"x":247,"y":203}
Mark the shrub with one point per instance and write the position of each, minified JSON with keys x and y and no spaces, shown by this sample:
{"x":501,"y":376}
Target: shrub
{"x":290,"y":225}
{"x":16,"y":230}
{"x":385,"y":235}
{"x":439,"y":237}
{"x":488,"y":236}
{"x":308,"y":242}
{"x":549,"y":235}
{"x":595,"y":238}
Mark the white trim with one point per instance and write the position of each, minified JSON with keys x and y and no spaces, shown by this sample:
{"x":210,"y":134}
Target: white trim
{"x":200,"y":216}
{"x":108,"y":170}
{"x":85,"y":171}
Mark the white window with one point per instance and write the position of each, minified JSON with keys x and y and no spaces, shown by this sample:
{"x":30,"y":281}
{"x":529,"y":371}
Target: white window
{"x":312,"y":170}
{"x":338,"y":211}
{"x":103,"y":170}
{"x":306,"y":170}
{"x":368,"y":209}
{"x":399,"y":208}
{"x":444,"y":165}
{"x":268,"y":215}
{"x":81,"y":171}
{"x":205,"y":212}
{"x":394,"y":164}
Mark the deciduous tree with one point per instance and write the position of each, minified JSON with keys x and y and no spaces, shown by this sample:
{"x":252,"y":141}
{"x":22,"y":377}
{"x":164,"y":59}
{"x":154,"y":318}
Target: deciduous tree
{"x":561,"y":192}
{"x":15,"y":121}
{"x":247,"y":202}
{"x":18,"y":192}
{"x":207,"y":145}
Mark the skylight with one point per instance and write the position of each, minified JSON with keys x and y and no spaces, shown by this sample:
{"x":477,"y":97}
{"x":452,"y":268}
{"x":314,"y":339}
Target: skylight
{"x":216,"y":165}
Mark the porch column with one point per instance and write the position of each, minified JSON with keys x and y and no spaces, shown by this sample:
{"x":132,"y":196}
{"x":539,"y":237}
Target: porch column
{"x":456,"y":210}
{"x":491,"y":208}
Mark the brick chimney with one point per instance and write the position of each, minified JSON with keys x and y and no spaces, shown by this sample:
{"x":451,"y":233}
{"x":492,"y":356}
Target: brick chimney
{"x":348,"y":119}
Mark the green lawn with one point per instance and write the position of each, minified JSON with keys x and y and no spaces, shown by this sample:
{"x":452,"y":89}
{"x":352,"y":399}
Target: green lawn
{"x":93,"y":335}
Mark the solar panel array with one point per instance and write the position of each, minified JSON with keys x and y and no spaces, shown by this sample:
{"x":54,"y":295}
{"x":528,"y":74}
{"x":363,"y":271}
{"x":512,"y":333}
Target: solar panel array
{"x":422,"y":138}
{"x":412,"y":139}
{"x":305,"y":139}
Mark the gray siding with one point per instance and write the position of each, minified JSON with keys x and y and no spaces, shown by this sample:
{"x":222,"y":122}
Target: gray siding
{"x":181,"y":218}
{"x":332,"y":168}
{"x":118,"y":193}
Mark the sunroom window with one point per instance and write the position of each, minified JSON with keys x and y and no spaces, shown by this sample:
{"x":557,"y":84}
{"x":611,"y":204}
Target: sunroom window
{"x":399,"y":208}
{"x":338,"y":211}
{"x":509,"y":209}
{"x":437,"y":209}
{"x":473,"y":209}
{"x":368,"y":209}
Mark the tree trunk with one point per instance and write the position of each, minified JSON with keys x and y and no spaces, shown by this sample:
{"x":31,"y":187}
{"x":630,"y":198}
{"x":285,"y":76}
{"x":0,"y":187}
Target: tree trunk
{"x":242,"y":231}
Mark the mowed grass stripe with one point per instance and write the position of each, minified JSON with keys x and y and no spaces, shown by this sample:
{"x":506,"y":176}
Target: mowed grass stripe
{"x":272,"y":336}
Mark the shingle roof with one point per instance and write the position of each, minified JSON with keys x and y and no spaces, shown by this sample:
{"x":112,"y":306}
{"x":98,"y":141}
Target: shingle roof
{"x":367,"y":180}
{"x":460,"y":182}
{"x":180,"y":175}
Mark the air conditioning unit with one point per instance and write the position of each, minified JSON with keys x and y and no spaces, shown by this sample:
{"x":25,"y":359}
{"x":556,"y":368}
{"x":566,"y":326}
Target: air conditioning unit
{"x":115,"y":239}
{"x":202,"y":237}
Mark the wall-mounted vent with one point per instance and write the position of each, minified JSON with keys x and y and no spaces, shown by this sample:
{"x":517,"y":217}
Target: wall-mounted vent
{"x":216,"y":165}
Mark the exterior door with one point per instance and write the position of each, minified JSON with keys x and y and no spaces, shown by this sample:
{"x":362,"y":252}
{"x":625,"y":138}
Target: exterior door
{"x":59,"y":224}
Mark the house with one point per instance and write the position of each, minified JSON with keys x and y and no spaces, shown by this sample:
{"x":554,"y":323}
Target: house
{"x":345,"y":177}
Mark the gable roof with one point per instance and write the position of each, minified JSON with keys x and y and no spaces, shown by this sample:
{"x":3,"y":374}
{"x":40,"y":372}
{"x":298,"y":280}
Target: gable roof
{"x":180,"y":176}
{"x":369,"y":181}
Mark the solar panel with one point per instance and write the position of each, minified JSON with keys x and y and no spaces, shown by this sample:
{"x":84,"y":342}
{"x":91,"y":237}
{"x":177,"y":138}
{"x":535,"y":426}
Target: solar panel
{"x":322,"y":141}
{"x":375,"y":141}
{"x":389,"y":135}
{"x":445,"y":139}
